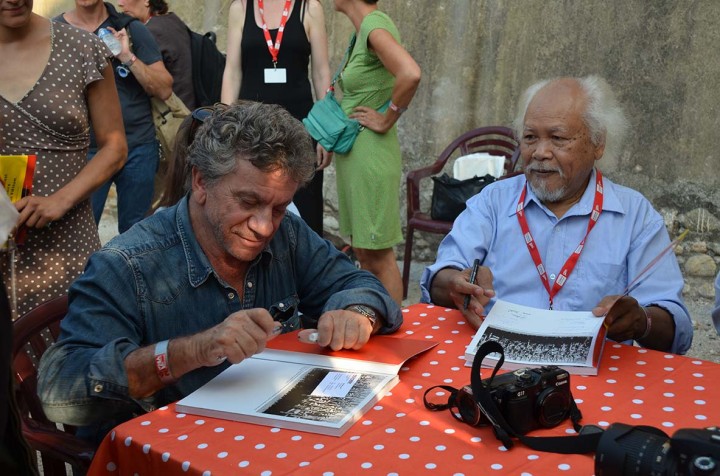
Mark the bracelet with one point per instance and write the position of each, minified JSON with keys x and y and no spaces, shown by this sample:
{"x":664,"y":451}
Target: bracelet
{"x":130,"y":62}
{"x":648,"y":324}
{"x":397,"y":108}
{"x":162,"y":364}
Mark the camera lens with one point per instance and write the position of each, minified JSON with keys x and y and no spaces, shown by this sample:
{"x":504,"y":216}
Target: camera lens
{"x":703,"y":465}
{"x":629,"y":450}
{"x":469,"y":410}
{"x":552,"y":407}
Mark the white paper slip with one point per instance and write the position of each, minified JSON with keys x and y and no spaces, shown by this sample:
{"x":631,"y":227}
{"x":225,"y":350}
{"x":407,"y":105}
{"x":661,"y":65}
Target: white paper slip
{"x":335,"y":384}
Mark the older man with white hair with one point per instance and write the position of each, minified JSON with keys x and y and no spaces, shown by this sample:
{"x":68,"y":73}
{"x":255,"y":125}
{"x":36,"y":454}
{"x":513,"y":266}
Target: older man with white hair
{"x":562,"y":235}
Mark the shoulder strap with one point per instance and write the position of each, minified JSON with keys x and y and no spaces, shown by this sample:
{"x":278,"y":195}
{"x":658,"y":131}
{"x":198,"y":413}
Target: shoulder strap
{"x":343,"y":63}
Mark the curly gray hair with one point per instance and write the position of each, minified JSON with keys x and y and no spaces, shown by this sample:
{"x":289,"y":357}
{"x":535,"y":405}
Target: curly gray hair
{"x":265,"y":134}
{"x":604,"y":117}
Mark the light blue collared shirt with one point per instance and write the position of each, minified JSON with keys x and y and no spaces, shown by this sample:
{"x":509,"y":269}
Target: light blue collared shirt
{"x":628,"y":235}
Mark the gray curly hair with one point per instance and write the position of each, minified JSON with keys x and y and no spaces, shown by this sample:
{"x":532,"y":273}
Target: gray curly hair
{"x":604,"y":117}
{"x":265,"y":134}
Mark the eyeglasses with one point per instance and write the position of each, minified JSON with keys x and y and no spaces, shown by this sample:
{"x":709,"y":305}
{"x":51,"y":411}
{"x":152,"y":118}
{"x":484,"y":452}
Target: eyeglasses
{"x":202,"y":113}
{"x":198,"y":117}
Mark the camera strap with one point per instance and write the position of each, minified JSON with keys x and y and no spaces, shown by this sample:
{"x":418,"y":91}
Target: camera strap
{"x":585,"y":442}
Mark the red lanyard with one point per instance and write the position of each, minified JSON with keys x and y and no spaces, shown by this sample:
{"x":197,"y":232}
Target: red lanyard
{"x":274,"y":50}
{"x":573,"y":259}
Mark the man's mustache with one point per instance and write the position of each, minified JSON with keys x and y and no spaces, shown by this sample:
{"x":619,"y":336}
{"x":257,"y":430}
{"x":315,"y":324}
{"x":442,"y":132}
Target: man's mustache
{"x":537,"y":167}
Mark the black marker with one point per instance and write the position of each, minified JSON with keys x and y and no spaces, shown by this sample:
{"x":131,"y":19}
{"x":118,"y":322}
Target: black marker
{"x":473,"y":275}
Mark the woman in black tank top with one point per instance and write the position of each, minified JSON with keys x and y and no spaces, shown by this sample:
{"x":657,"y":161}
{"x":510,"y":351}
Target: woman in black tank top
{"x":253,"y":73}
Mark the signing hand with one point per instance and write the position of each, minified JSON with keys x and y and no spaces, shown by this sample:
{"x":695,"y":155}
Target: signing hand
{"x":625,"y":319}
{"x":241,"y":335}
{"x":480,"y":293}
{"x":340,"y":329}
{"x":372,"y":119}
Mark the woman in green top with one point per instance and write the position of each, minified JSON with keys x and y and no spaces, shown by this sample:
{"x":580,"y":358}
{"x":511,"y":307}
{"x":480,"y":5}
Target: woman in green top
{"x":368,"y":177}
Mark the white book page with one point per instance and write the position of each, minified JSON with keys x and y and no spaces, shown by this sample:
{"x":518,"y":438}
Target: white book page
{"x":282,"y":391}
{"x":539,"y":336}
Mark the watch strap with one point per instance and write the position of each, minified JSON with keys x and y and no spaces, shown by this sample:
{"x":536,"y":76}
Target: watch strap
{"x":366,"y":311}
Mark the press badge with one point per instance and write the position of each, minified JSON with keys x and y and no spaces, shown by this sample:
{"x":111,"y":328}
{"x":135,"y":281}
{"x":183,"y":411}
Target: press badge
{"x":275,"y":75}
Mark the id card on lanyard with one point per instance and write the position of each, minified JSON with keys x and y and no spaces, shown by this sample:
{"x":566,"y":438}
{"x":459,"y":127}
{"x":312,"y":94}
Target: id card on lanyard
{"x":274,"y":75}
{"x":573,"y":259}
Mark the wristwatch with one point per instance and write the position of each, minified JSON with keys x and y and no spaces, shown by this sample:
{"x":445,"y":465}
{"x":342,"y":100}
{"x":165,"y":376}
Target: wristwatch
{"x":365,"y":311}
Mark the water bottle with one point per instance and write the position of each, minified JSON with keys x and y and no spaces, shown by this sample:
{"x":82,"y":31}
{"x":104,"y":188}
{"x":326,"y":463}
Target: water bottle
{"x":110,"y":40}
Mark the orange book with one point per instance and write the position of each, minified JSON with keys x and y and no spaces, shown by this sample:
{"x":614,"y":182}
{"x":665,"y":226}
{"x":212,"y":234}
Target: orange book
{"x":16,"y":176}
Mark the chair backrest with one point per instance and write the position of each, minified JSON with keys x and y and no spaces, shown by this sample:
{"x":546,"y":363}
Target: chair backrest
{"x":33,"y":334}
{"x":494,"y":140}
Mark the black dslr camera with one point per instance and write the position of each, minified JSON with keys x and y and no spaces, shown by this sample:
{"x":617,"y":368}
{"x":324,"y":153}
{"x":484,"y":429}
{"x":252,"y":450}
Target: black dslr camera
{"x":527,"y":399}
{"x":626,"y":450}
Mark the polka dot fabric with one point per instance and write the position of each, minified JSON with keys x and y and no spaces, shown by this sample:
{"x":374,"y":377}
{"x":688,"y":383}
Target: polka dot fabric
{"x":51,"y":121}
{"x":400,"y":437}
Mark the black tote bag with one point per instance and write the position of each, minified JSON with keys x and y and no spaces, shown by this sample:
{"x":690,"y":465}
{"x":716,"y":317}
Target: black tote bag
{"x":449,"y":195}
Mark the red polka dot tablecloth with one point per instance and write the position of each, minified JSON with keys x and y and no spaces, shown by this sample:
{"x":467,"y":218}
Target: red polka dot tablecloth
{"x":398,"y":436}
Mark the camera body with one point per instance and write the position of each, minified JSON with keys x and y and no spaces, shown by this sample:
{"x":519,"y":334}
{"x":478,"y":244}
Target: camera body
{"x":629,"y":450}
{"x":527,"y":398}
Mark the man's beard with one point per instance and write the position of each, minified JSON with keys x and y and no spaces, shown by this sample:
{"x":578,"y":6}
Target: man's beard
{"x":540,"y":187}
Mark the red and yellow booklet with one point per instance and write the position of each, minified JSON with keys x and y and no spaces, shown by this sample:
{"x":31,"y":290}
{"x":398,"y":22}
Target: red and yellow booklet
{"x":16,"y":176}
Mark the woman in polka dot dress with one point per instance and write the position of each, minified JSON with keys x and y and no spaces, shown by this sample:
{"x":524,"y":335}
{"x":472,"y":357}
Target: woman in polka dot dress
{"x":54,"y":80}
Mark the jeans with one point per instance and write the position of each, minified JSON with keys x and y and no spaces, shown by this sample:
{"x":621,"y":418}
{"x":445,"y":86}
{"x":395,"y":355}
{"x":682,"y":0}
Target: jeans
{"x":134,"y":184}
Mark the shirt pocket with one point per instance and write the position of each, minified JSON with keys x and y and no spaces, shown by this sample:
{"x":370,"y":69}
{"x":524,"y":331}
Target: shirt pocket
{"x":597,"y":279}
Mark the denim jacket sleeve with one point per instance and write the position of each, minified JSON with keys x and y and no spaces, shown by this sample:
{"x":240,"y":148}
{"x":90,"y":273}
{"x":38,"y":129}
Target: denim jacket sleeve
{"x":82,"y":376}
{"x":328,"y":280}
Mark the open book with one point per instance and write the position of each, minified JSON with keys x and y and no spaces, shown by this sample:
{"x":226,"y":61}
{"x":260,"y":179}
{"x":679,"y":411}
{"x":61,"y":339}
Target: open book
{"x":534,"y":337}
{"x":303,"y":386}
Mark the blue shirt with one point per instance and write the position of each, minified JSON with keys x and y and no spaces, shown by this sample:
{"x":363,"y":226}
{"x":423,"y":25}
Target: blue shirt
{"x":134,"y":101}
{"x":627,"y":236}
{"x":154,"y":282}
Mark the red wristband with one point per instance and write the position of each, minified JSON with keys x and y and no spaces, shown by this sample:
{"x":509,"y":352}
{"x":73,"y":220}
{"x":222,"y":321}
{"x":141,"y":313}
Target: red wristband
{"x":162,"y":363}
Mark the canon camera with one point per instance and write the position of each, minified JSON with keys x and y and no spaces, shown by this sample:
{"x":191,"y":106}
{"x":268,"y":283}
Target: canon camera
{"x":527,"y":398}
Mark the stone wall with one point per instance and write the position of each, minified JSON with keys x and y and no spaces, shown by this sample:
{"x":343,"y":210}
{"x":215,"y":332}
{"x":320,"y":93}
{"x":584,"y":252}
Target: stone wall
{"x":477,"y":56}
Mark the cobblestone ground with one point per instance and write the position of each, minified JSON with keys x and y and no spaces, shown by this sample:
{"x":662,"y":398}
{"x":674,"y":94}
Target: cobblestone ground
{"x":706,"y":343}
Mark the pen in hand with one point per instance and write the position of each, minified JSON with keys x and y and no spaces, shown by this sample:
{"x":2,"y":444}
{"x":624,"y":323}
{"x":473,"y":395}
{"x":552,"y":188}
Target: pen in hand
{"x":473,"y":275}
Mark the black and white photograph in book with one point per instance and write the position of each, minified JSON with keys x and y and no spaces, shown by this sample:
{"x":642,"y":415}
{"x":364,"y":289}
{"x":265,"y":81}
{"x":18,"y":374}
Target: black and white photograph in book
{"x":299,"y":402}
{"x":535,"y":348}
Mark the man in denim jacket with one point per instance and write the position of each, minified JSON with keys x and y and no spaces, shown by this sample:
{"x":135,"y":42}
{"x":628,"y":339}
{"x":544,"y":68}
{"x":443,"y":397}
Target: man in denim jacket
{"x":171,"y":303}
